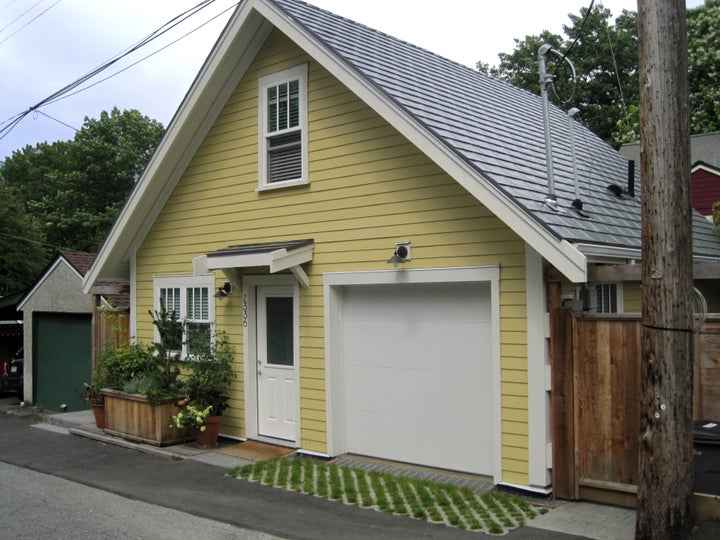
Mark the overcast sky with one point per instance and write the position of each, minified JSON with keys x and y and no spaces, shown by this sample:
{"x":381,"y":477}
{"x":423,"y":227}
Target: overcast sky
{"x":47,"y":44}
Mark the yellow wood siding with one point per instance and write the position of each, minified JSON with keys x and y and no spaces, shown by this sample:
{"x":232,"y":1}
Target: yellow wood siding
{"x":632,"y":297}
{"x":369,"y":187}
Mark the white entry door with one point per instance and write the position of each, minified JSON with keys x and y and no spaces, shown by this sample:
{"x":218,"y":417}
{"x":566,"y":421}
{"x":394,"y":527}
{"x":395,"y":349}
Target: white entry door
{"x":276,"y":362}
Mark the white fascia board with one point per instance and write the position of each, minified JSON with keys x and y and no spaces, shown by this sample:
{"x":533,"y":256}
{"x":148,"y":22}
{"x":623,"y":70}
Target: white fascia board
{"x":282,"y":259}
{"x":559,"y":253}
{"x":239,"y":261}
{"x":225,"y":66}
{"x":594,"y":251}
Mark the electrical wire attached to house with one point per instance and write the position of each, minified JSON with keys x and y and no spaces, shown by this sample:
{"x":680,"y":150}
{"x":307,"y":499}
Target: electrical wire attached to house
{"x":564,"y":61}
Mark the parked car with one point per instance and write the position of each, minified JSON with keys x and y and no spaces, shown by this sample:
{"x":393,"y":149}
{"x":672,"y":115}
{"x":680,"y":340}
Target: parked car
{"x":12,"y":374}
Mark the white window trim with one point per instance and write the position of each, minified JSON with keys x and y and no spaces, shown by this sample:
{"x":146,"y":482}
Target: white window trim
{"x":184,"y":282}
{"x":301,"y":74}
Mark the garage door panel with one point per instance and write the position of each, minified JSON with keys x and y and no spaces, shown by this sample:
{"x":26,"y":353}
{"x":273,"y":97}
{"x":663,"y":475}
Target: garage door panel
{"x":409,"y":440}
{"x":416,"y":345}
{"x":380,"y":389}
{"x":417,"y":374}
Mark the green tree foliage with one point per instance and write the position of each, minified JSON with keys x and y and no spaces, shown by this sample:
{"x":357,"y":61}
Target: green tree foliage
{"x":704,"y":66}
{"x":22,"y":256}
{"x":605,"y":56}
{"x":75,"y":189}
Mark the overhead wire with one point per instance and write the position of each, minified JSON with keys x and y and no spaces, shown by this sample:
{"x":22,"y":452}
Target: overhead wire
{"x":30,"y":21}
{"x":11,"y":122}
{"x":15,"y":237}
{"x":619,"y":83}
{"x":28,"y":10}
{"x":10,"y":3}
{"x":114,"y":74}
{"x":564,"y":59}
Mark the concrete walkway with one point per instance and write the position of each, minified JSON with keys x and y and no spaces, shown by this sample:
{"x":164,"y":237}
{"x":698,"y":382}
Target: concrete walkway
{"x":578,"y":519}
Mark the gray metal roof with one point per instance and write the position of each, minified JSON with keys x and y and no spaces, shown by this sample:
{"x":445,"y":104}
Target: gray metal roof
{"x":264,"y":247}
{"x":498,"y":130}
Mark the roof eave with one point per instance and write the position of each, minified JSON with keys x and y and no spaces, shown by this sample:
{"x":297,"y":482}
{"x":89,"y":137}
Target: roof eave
{"x":236,"y":47}
{"x":222,"y":71}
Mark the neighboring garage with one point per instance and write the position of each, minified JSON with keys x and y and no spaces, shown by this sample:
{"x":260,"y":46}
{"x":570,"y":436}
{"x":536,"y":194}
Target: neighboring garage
{"x":61,"y":359}
{"x":416,"y":370}
{"x":58,"y":334}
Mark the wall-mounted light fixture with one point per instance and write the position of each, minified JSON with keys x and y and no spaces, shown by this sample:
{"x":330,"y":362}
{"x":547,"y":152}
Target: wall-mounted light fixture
{"x":223,"y":291}
{"x":401,"y":254}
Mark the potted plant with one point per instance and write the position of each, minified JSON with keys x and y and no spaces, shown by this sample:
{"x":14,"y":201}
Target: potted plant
{"x":142,"y":386}
{"x":92,"y":393}
{"x":209,"y":375}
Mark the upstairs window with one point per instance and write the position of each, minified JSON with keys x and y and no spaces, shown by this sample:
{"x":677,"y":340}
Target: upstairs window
{"x":283,"y":128}
{"x":190,"y":308}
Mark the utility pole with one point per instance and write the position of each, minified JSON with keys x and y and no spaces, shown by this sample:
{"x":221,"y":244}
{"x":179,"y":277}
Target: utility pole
{"x":666,"y":421}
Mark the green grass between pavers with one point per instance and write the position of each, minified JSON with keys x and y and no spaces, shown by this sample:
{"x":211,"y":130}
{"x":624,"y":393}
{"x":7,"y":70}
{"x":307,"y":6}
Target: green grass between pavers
{"x":494,"y":512}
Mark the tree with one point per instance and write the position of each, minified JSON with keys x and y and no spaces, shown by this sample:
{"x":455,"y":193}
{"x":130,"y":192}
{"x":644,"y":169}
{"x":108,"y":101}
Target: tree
{"x":22,"y":256}
{"x":75,"y":189}
{"x":606,"y":61}
{"x":703,"y":24}
{"x":603,"y":55}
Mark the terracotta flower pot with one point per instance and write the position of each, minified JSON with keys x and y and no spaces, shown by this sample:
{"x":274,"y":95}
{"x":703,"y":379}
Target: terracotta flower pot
{"x":98,"y":407}
{"x":209,"y":437}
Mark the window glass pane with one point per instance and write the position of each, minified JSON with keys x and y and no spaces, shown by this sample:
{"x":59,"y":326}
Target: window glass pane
{"x":606,"y":298}
{"x":283,"y":106}
{"x":284,"y":157}
{"x":272,"y":109}
{"x":198,"y":337}
{"x":170,"y":300}
{"x":171,"y":332}
{"x":279,"y":330}
{"x":197,"y":303}
{"x":294,"y":120}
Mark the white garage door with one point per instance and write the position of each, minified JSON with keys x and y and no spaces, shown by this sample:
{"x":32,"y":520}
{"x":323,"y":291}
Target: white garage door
{"x":417,"y":374}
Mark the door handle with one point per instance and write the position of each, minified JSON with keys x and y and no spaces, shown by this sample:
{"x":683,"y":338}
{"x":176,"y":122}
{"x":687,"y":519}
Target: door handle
{"x":259,"y":372}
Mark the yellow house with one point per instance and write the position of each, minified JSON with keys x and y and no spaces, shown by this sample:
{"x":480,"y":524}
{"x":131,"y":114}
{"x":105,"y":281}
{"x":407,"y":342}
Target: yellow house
{"x":371,"y":224}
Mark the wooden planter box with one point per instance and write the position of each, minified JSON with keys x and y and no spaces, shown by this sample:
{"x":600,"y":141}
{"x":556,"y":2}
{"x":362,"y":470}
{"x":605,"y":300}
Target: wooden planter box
{"x":133,"y":417}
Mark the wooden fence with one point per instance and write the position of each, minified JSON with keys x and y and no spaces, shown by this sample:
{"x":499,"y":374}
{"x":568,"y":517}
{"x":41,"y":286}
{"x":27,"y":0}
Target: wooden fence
{"x":596,"y":400}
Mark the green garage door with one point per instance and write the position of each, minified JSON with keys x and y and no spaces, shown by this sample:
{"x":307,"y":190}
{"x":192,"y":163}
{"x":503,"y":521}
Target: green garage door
{"x":62,"y":358}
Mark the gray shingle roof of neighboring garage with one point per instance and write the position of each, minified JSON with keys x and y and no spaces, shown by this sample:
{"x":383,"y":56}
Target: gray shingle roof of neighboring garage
{"x":497,"y":129}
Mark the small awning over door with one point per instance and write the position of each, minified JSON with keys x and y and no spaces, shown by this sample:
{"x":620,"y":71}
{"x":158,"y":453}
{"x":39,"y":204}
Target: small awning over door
{"x":277,"y":256}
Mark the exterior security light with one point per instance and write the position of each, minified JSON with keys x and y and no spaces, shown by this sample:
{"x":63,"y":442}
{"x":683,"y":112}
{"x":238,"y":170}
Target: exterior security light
{"x":223,"y":291}
{"x":401,"y":254}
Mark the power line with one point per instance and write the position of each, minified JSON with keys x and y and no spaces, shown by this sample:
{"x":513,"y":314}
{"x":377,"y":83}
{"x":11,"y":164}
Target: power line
{"x":22,"y":239}
{"x":46,"y":115}
{"x":28,"y":10}
{"x":30,"y":21}
{"x":10,"y":3}
{"x":145,"y":57}
{"x":11,"y":122}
